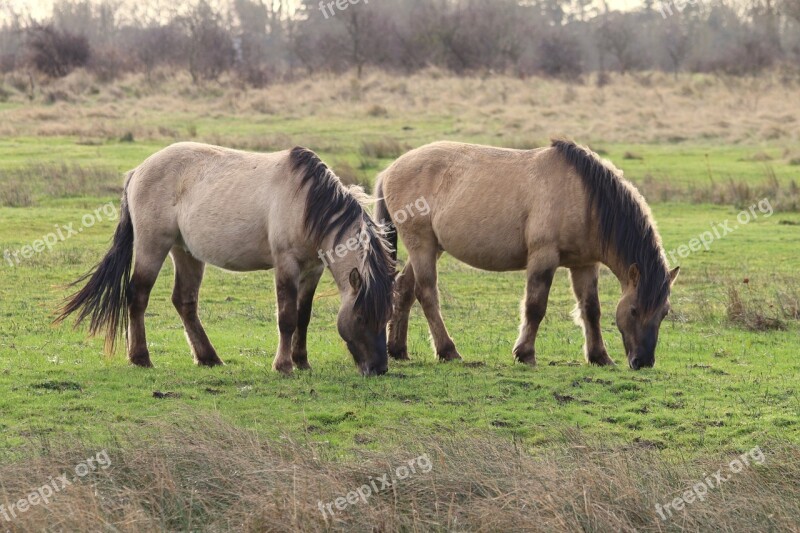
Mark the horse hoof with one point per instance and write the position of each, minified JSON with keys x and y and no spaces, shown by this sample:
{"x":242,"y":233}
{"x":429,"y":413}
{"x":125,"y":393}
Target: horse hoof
{"x":450,"y":355}
{"x":526,"y":357}
{"x":141,"y":360}
{"x":302,"y":365}
{"x":300,"y":360}
{"x":601,"y":359}
{"x":284,"y":369}
{"x":216,"y":361}
{"x":399,"y":354}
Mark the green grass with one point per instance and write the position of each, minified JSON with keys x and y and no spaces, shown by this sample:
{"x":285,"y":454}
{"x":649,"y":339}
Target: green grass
{"x":715,"y":386}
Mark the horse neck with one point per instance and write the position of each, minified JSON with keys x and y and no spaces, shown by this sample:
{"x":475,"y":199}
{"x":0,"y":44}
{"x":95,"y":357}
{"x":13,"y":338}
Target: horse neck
{"x":617,"y":265}
{"x":341,"y":266}
{"x":621,"y":268}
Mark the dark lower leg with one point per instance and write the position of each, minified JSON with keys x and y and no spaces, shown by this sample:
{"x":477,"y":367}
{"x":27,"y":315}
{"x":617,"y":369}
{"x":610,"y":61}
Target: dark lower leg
{"x":138,"y":354}
{"x":202,"y":350}
{"x":584,"y":285}
{"x":398,"y":325}
{"x":188,"y":277}
{"x":286,"y":288}
{"x":534,"y":307}
{"x":427,"y":293}
{"x":305,"y":302}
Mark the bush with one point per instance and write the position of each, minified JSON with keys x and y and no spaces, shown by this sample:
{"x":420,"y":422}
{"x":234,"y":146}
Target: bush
{"x":56,"y":53}
{"x":109,"y":64}
{"x":7,"y":62}
{"x":559,"y":55}
{"x":211,"y":48}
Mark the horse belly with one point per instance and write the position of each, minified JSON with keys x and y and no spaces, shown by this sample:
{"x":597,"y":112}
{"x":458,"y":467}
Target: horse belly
{"x":231,"y":244}
{"x":485,"y":243}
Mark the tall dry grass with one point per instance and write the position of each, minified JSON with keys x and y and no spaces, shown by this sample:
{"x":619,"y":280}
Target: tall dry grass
{"x":201,"y":474}
{"x":25,"y":186}
{"x":754,"y":311}
{"x":657,"y":108}
{"x":737,"y":193}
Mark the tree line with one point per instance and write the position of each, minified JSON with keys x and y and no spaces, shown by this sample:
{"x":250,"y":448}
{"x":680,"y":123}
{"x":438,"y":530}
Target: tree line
{"x":262,"y":41}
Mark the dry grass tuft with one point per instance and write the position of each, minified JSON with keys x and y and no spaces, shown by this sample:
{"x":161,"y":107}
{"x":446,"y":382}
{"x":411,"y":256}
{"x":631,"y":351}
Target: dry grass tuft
{"x":20,"y":187}
{"x":756,"y":315}
{"x":349,"y":175}
{"x":386,"y":148}
{"x":201,"y":474}
{"x":14,"y":193}
{"x":696,"y":108}
{"x":738,"y":193}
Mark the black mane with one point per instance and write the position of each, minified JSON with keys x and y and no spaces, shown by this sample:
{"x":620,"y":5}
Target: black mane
{"x":623,"y":223}
{"x":330,"y":207}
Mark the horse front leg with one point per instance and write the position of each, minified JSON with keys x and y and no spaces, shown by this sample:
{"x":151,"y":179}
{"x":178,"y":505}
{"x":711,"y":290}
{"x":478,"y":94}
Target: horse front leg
{"x":305,"y":301}
{"x":427,"y":292}
{"x":398,"y":325}
{"x":541,"y":269}
{"x":584,"y":285}
{"x":287,"y":279}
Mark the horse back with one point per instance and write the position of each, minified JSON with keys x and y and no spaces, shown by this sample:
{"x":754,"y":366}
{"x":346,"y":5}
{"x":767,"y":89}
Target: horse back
{"x":226,"y":207}
{"x":489,"y":207}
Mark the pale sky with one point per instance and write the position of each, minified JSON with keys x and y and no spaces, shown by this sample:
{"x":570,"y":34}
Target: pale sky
{"x":42,"y":7}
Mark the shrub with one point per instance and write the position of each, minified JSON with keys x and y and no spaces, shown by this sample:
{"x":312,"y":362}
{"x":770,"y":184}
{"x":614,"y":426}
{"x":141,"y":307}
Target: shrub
{"x":386,"y":148}
{"x":109,"y":64}
{"x":56,"y":53}
{"x":750,"y":314}
{"x":559,"y":56}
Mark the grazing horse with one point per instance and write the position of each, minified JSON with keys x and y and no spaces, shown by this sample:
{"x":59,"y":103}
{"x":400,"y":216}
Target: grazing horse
{"x":242,"y":212}
{"x":533,"y":210}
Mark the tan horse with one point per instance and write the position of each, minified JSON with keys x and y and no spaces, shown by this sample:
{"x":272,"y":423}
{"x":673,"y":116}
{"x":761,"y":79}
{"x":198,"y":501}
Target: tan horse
{"x":533,"y":210}
{"x":242,"y":212}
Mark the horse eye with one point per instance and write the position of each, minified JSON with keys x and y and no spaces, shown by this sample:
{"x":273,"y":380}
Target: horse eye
{"x":633,"y":312}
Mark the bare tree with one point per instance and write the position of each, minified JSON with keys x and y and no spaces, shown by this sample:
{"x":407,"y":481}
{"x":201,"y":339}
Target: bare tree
{"x":210,"y":47}
{"x":559,"y":55}
{"x":791,"y":8}
{"x":677,"y":43}
{"x":617,"y":36}
{"x":57,"y":53}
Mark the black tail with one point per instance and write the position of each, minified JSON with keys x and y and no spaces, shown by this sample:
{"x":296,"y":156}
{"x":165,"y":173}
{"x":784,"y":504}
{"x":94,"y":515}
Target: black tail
{"x":383,"y":216}
{"x":105,"y":297}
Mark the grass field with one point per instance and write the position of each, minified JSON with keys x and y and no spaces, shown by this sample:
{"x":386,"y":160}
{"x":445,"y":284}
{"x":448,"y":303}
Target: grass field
{"x":725,"y":378}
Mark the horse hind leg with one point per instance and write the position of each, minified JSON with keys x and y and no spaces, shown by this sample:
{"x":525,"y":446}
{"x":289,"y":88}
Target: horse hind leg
{"x":584,"y":285}
{"x":149,"y":258}
{"x":185,"y":295}
{"x":398,"y":325}
{"x":427,"y":292}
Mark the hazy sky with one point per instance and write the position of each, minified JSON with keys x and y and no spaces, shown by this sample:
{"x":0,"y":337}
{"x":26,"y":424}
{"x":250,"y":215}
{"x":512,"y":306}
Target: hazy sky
{"x":40,"y":7}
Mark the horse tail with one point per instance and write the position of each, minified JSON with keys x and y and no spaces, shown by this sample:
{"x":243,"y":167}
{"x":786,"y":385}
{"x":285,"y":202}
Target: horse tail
{"x":384,"y":218}
{"x":105,"y":297}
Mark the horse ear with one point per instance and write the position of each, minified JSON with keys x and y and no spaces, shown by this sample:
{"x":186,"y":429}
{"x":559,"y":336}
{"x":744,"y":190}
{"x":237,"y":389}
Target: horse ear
{"x":673,"y":275}
{"x":355,"y":279}
{"x":633,"y":275}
